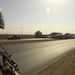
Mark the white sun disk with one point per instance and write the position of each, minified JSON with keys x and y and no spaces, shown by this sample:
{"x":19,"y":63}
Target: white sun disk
{"x":48,"y":10}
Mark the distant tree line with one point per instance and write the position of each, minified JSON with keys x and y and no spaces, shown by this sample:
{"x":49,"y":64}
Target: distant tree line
{"x":55,"y":35}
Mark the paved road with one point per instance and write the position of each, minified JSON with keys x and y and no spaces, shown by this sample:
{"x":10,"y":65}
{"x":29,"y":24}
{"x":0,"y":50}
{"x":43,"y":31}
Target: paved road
{"x":35,"y":57}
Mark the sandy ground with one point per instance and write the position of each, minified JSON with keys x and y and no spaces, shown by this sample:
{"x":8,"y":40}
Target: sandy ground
{"x":65,"y":66}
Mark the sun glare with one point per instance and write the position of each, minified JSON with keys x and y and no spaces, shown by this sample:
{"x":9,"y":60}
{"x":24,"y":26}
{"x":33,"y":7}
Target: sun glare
{"x":48,"y":10}
{"x":56,"y":1}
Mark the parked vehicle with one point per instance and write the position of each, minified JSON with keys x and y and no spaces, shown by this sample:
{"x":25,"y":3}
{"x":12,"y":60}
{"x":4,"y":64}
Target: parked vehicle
{"x":14,"y":37}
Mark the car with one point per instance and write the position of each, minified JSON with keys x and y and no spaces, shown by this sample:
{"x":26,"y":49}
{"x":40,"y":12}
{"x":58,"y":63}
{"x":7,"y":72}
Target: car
{"x":14,"y":37}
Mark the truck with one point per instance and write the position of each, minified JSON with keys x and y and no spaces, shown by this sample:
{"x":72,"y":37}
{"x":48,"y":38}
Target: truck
{"x":14,"y":37}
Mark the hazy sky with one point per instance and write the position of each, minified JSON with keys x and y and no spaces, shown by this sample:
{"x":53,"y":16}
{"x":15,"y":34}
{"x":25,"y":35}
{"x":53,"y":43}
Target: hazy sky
{"x":44,"y":15}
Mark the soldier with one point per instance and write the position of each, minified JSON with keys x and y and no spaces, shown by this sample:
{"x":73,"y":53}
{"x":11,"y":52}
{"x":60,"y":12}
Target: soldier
{"x":7,"y":64}
{"x":2,"y":25}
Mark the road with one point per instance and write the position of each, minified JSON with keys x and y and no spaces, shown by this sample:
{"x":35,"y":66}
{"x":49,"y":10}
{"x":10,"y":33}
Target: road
{"x":35,"y":57}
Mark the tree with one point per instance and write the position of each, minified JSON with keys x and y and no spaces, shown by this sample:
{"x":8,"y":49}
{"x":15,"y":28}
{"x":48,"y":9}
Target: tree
{"x":56,"y":35}
{"x":38,"y":34}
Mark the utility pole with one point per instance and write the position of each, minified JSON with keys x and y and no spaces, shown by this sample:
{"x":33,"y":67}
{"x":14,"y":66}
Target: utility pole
{"x":21,"y":31}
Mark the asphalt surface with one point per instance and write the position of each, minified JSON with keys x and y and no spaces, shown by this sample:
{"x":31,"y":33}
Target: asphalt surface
{"x":35,"y":57}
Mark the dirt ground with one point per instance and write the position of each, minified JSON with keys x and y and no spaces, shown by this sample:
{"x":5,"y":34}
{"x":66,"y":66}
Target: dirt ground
{"x":65,"y":66}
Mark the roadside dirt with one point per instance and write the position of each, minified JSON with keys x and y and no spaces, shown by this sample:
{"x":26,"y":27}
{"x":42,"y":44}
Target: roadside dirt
{"x":65,"y":66}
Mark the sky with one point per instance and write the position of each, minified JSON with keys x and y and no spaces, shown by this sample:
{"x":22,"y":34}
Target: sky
{"x":29,"y":16}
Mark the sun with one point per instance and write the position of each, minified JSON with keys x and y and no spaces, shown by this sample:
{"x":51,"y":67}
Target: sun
{"x":47,"y":10}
